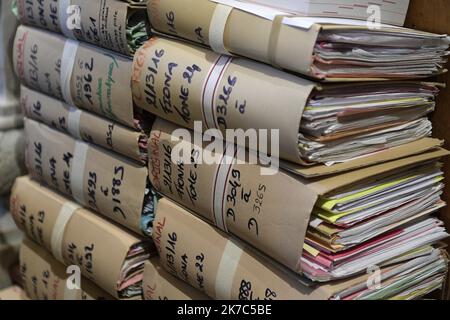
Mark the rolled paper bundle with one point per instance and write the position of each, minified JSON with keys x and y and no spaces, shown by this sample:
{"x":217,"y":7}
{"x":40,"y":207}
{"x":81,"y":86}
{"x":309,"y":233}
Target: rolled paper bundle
{"x":77,"y":236}
{"x":215,"y":264}
{"x":82,"y":75}
{"x":226,"y":269}
{"x":312,"y":124}
{"x":15,"y":293}
{"x":111,"y":24}
{"x":159,"y":284}
{"x":45,"y":278}
{"x":84,"y":125}
{"x":105,"y":182}
{"x":324,"y":49}
{"x":328,"y":228}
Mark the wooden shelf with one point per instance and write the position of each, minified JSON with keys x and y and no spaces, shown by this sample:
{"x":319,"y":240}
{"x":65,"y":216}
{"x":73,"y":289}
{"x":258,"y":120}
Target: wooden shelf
{"x":434,"y":16}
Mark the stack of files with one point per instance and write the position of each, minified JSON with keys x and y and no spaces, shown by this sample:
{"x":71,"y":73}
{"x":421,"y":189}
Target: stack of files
{"x":367,"y":174}
{"x":252,"y":276}
{"x":323,"y":229}
{"x":77,"y":236}
{"x":88,"y":126}
{"x":319,"y":47}
{"x":10,"y":116}
{"x":85,"y":77}
{"x":84,"y":139}
{"x":14,"y":293}
{"x":391,"y":12}
{"x":318,"y":125}
{"x":45,"y":278}
{"x":103,"y":181}
{"x":111,"y":24}
{"x":365,"y":221}
{"x":51,"y":279}
{"x":158,"y":284}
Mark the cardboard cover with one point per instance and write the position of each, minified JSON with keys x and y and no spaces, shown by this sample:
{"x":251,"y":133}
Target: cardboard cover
{"x":177,"y":18}
{"x":227,"y":269}
{"x":90,"y":127}
{"x":160,"y":285}
{"x":96,"y":245}
{"x":270,"y":212}
{"x":45,"y":278}
{"x":282,"y":45}
{"x":105,"y":182}
{"x":96,"y":80}
{"x":103,"y":22}
{"x":170,"y":79}
{"x":173,"y":80}
{"x":212,"y":262}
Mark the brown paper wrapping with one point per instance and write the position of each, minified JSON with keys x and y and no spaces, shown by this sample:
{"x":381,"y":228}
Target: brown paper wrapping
{"x":178,"y":18}
{"x":226,"y":269}
{"x":99,"y":81}
{"x":103,"y":22}
{"x":275,"y":43}
{"x":250,"y":201}
{"x":109,"y":184}
{"x":92,"y":128}
{"x":97,"y":246}
{"x":210,"y":261}
{"x":45,"y":278}
{"x":158,"y":284}
{"x":260,"y":97}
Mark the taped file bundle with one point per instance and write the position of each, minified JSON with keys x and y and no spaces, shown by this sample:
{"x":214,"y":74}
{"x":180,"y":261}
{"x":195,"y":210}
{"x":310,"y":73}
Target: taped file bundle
{"x":158,"y":284}
{"x":84,"y":126}
{"x":325,"y":49}
{"x":241,"y":201}
{"x":82,"y":75}
{"x":106,"y":254}
{"x":317,"y":124}
{"x":105,"y":182}
{"x":110,"y":24}
{"x":224,"y":268}
{"x":215,"y":264}
{"x":45,"y":278}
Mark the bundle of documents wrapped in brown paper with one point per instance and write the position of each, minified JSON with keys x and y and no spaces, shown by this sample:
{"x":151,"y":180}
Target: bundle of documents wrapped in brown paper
{"x":112,"y":90}
{"x":321,"y":48}
{"x":363,"y":179}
